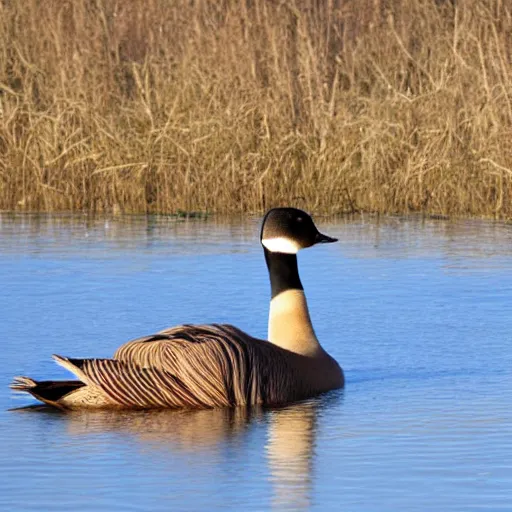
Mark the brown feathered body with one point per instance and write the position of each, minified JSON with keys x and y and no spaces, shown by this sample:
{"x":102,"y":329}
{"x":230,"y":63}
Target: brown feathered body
{"x":193,"y":366}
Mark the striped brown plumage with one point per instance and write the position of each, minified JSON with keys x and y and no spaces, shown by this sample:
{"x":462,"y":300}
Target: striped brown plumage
{"x":193,"y":366}
{"x":203,"y":366}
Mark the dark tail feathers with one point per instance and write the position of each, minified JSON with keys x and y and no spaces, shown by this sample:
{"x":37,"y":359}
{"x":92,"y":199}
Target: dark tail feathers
{"x":48,"y":391}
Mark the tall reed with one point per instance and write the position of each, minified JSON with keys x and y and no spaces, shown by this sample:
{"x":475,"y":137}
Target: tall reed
{"x":332,"y":105}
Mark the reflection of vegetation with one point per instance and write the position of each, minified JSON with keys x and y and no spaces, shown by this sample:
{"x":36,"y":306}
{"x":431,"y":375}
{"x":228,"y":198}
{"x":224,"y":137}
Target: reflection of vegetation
{"x":235,"y":106}
{"x":180,"y":214}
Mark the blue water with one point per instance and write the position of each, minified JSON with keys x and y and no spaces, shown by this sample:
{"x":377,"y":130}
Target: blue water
{"x":418,"y":313}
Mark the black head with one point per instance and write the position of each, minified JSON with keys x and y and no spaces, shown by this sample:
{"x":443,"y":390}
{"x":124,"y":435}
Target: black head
{"x":287,"y":230}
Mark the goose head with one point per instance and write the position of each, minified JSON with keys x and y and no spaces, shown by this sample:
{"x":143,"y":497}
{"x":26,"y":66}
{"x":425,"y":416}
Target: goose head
{"x":287,"y":230}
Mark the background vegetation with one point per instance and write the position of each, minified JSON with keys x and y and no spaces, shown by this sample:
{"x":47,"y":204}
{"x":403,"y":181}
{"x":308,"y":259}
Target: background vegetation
{"x":333,"y":105}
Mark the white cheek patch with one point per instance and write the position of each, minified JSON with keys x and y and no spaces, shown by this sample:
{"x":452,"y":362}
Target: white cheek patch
{"x":281,"y":244}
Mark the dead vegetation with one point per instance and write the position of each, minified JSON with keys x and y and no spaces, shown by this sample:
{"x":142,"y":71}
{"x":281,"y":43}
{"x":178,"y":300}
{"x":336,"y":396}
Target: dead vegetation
{"x":332,"y":105}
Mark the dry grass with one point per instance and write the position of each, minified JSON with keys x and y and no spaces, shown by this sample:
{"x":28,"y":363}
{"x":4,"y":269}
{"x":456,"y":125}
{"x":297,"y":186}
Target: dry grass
{"x":333,"y":105}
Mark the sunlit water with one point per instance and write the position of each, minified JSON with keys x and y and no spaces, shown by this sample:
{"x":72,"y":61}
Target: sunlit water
{"x":418,"y":313}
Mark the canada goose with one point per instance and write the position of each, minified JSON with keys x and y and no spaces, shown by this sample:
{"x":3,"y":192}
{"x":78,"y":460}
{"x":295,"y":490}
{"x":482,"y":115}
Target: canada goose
{"x":214,"y":365}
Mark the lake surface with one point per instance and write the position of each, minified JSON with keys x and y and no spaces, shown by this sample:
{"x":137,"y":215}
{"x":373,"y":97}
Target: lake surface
{"x":417,"y":312}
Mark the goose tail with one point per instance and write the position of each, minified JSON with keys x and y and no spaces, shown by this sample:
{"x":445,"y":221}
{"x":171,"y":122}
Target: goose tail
{"x":48,"y":392}
{"x":23,"y":384}
{"x":63,"y":394}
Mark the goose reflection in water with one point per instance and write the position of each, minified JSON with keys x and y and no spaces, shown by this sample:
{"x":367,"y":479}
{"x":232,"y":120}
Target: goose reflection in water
{"x":290,"y":454}
{"x":184,"y":430}
{"x":289,"y":447}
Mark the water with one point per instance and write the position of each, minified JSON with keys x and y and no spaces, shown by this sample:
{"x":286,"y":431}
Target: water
{"x":418,"y":313}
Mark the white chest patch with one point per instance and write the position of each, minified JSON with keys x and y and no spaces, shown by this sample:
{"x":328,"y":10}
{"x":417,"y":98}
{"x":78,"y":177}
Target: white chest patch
{"x":281,"y":244}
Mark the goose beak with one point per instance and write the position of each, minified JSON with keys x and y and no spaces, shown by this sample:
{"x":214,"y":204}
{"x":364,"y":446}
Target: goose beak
{"x":324,"y":239}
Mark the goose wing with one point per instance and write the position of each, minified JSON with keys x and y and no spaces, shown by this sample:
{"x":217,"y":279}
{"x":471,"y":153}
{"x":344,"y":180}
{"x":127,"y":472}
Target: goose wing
{"x":191,"y":366}
{"x":162,"y":350}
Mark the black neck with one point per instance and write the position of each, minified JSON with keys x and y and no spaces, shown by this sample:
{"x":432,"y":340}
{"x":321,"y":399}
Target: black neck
{"x":283,"y":271}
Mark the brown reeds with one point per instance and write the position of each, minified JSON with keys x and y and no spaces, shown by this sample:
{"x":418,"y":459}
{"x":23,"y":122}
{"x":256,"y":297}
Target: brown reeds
{"x":331,"y":105}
